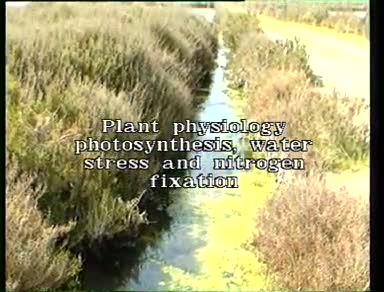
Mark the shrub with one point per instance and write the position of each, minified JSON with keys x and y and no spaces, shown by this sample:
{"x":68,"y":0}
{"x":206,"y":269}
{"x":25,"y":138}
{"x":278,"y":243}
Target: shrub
{"x":71,"y":65}
{"x":330,"y":21}
{"x":256,"y":53}
{"x":75,"y":66}
{"x":32,"y":261}
{"x":317,"y":15}
{"x":320,"y":15}
{"x":276,"y":77}
{"x":313,"y":239}
{"x":348,"y":23}
{"x":235,"y":26}
{"x":308,"y":237}
{"x":292,"y":12}
{"x":337,"y":125}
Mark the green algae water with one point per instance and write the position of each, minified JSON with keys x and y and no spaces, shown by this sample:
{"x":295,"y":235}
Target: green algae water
{"x":200,"y":241}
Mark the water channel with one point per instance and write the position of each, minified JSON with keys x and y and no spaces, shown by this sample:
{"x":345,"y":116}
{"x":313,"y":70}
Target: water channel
{"x":173,"y":259}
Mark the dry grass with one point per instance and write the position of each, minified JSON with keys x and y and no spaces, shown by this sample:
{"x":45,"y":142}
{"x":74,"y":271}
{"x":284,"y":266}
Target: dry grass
{"x":71,"y":65}
{"x":314,"y":239}
{"x":234,"y":26}
{"x":347,"y":23}
{"x":32,"y":261}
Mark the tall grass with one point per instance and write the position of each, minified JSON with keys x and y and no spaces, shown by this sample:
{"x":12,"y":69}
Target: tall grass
{"x":71,"y":65}
{"x":308,"y":236}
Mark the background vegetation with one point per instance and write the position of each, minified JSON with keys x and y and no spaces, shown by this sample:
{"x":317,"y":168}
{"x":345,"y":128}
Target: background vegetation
{"x":343,"y":19}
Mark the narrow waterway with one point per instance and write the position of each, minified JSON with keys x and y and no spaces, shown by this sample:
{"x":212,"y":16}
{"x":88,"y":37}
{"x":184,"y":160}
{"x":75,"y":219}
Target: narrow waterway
{"x":200,"y":242}
{"x":188,"y":232}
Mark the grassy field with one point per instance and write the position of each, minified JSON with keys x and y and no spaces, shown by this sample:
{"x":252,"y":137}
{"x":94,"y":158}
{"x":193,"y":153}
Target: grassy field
{"x":69,"y":66}
{"x":311,"y":233}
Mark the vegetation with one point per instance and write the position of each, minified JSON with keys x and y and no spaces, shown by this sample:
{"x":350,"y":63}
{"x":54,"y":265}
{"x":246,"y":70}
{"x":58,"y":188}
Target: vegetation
{"x":308,"y":236}
{"x":67,"y":68}
{"x":313,"y":238}
{"x":32,"y":260}
{"x":320,"y":15}
{"x":237,"y":26}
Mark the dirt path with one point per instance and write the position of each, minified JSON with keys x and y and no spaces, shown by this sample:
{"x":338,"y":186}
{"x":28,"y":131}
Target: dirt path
{"x":341,"y":59}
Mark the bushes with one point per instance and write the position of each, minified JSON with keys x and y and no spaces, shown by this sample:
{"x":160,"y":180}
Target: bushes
{"x":71,"y":65}
{"x":333,"y":122}
{"x":234,"y":27}
{"x":311,"y":238}
{"x":297,"y":12}
{"x":256,"y":53}
{"x":348,"y":23}
{"x":344,"y":22}
{"x":315,"y":16}
{"x":308,"y":236}
{"x":276,"y":77}
{"x":32,"y":262}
